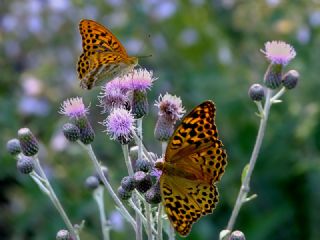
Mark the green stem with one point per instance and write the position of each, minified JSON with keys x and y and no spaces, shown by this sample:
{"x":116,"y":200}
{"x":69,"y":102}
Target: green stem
{"x":92,"y":156}
{"x":144,"y":150}
{"x":125,"y":150}
{"x":276,"y":97}
{"x":159,"y":226}
{"x":245,"y":187}
{"x":53,"y":197}
{"x":105,"y":226}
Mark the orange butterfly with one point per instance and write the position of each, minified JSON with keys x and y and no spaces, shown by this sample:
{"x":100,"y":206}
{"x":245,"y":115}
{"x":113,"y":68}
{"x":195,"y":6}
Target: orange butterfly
{"x":194,"y":161}
{"x":103,"y":57}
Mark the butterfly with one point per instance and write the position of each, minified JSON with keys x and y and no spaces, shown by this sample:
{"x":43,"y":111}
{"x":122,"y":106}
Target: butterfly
{"x":194,"y":161}
{"x":103,"y":57}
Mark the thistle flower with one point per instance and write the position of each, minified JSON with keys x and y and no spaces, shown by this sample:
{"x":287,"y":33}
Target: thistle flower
{"x":29,"y":144}
{"x":119,"y":125}
{"x":114,"y":95}
{"x":170,"y":110}
{"x":74,"y":108}
{"x":139,"y":82}
{"x":25,"y":164}
{"x":256,"y":92}
{"x":76,"y":111}
{"x":279,"y":52}
{"x":13,"y":146}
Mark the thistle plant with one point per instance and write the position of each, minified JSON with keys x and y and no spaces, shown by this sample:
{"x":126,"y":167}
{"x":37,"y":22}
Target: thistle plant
{"x":279,"y":54}
{"x":124,"y":103}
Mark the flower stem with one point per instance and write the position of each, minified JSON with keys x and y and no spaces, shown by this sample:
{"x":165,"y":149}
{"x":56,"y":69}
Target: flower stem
{"x":53,"y":197}
{"x":276,"y":97}
{"x":105,"y":226}
{"x":242,"y":196}
{"x":159,"y":226}
{"x":127,"y":215}
{"x":125,"y":150}
{"x":144,"y":150}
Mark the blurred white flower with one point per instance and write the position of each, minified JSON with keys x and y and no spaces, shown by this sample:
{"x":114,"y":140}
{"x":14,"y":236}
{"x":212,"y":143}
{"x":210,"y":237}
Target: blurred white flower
{"x":31,"y":85}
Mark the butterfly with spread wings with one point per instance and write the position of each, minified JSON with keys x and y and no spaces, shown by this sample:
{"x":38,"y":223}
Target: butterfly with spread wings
{"x":194,"y":161}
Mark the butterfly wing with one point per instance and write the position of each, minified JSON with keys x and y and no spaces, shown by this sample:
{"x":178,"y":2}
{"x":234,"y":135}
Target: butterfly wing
{"x":185,"y":201}
{"x":96,"y":37}
{"x":98,"y":66}
{"x":194,"y":161}
{"x":195,"y":146}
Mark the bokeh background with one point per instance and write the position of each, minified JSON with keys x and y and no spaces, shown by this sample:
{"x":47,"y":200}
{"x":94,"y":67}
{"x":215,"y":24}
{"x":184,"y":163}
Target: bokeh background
{"x":200,"y":50}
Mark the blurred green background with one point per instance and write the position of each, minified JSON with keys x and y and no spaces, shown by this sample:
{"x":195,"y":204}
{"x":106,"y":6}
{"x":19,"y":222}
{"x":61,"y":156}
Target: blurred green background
{"x":200,"y":50}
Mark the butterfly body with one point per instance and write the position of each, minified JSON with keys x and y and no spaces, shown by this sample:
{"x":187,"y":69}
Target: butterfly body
{"x":103,"y":57}
{"x":194,"y":161}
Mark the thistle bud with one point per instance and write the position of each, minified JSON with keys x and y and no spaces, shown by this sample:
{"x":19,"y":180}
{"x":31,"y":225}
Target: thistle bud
{"x":290,"y":79}
{"x":273,"y":75}
{"x":153,"y":195}
{"x":256,"y":92}
{"x":124,"y":194}
{"x":13,"y":146}
{"x":25,"y":164}
{"x":143,"y":165}
{"x":128,"y":183}
{"x":105,"y":173}
{"x":92,"y":182}
{"x":28,"y":142}
{"x":71,"y":132}
{"x":86,"y":131}
{"x":139,"y":104}
{"x":143,"y":181}
{"x":164,"y":129}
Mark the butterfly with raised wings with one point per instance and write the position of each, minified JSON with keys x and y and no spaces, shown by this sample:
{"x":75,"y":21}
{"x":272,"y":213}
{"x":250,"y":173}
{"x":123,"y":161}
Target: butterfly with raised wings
{"x":194,"y":161}
{"x":103,"y":57}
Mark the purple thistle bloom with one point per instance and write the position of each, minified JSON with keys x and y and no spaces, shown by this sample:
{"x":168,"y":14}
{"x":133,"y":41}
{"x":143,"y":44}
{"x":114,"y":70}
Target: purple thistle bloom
{"x":139,"y":80}
{"x":73,"y":108}
{"x":279,"y":52}
{"x":119,"y":125}
{"x":156,"y":173}
{"x":170,"y":107}
{"x":113,"y":95}
{"x":117,"y":84}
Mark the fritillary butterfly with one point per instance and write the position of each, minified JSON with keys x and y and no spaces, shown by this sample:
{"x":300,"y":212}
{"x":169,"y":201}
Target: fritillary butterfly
{"x":194,"y":161}
{"x":103,"y":57}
